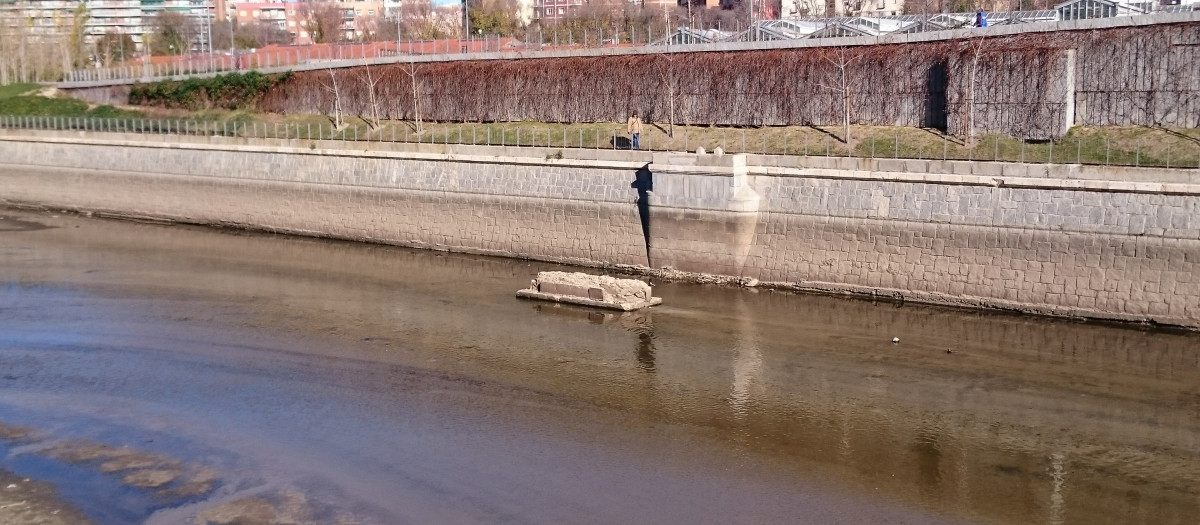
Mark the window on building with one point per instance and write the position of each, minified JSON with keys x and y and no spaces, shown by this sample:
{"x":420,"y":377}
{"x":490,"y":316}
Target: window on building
{"x":561,"y":10}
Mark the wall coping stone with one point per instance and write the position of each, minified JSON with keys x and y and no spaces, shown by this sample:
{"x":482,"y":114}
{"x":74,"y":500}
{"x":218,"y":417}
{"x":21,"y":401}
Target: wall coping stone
{"x":732,"y":166}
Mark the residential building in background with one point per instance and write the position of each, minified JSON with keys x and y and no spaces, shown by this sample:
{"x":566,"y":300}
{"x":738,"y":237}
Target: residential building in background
{"x":554,"y":10}
{"x":124,"y":17}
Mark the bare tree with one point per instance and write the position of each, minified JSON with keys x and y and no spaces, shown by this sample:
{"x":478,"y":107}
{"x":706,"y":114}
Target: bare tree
{"x":496,"y":17}
{"x":372,"y":84}
{"x":670,"y":80}
{"x":976,"y":47}
{"x":322,"y":20}
{"x":113,"y":47}
{"x":416,"y":95}
{"x":841,"y":58}
{"x":332,"y":88}
{"x":174,"y":33}
{"x":34,"y":48}
{"x":77,"y":55}
{"x":421,"y":20}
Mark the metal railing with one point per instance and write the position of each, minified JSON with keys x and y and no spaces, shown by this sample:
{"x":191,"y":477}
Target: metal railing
{"x":352,"y":54}
{"x":1140,"y":147}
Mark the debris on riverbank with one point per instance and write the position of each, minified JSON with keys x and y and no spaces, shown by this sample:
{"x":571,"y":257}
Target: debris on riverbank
{"x":600,"y":291}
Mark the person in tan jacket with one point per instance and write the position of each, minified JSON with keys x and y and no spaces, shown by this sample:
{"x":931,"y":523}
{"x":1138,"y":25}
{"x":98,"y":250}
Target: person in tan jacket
{"x":634,"y":127}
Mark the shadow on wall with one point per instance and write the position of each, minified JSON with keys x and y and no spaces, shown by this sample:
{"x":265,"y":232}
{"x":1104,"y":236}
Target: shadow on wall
{"x":643,"y":182}
{"x":935,"y":105}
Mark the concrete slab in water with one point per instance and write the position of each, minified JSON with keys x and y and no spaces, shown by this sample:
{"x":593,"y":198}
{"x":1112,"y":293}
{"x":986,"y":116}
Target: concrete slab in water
{"x":600,"y":291}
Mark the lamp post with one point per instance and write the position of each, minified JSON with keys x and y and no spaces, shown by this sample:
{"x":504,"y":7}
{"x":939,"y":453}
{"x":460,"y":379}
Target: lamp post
{"x":208,"y":18}
{"x":233,"y":58}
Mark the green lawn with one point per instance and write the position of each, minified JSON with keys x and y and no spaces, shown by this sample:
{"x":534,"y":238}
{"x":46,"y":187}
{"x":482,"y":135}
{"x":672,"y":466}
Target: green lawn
{"x":21,"y":100}
{"x":1131,"y":145}
{"x":12,"y":90}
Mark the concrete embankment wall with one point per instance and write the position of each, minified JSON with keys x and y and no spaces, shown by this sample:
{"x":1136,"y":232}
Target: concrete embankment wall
{"x":1070,"y":240}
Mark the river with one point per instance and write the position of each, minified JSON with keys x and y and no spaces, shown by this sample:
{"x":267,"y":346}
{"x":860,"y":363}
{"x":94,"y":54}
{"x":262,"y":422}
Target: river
{"x":171,"y":374}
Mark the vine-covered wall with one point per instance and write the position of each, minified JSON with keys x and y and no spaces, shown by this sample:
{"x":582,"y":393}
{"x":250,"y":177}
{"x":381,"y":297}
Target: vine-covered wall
{"x":1029,"y":85}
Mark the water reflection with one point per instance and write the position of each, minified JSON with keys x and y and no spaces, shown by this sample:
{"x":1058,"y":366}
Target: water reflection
{"x":640,"y":323}
{"x":1058,"y":478}
{"x":645,"y":348}
{"x":1028,"y":420}
{"x":747,"y":360}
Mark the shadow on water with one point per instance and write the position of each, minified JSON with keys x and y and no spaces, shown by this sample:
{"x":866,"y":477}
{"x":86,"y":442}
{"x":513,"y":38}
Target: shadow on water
{"x":8,"y":224}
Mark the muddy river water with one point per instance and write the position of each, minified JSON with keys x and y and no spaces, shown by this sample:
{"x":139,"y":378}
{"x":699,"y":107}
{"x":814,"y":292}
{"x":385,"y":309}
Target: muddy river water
{"x":168,"y":374}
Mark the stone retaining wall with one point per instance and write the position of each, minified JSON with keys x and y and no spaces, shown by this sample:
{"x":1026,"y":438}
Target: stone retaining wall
{"x":1063,"y":240}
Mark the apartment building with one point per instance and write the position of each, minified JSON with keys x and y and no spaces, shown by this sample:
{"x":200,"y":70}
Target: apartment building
{"x":280,"y":15}
{"x":361,"y":19}
{"x":129,"y":17}
{"x":552,"y":10}
{"x":135,"y":17}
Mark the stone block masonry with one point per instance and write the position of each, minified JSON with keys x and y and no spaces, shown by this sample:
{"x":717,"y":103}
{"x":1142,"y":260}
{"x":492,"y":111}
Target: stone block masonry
{"x":1066,"y":240}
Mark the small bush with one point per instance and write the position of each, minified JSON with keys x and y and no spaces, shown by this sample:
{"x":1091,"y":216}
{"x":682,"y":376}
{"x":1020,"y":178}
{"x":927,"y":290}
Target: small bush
{"x":229,"y":91}
{"x":112,"y":112}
